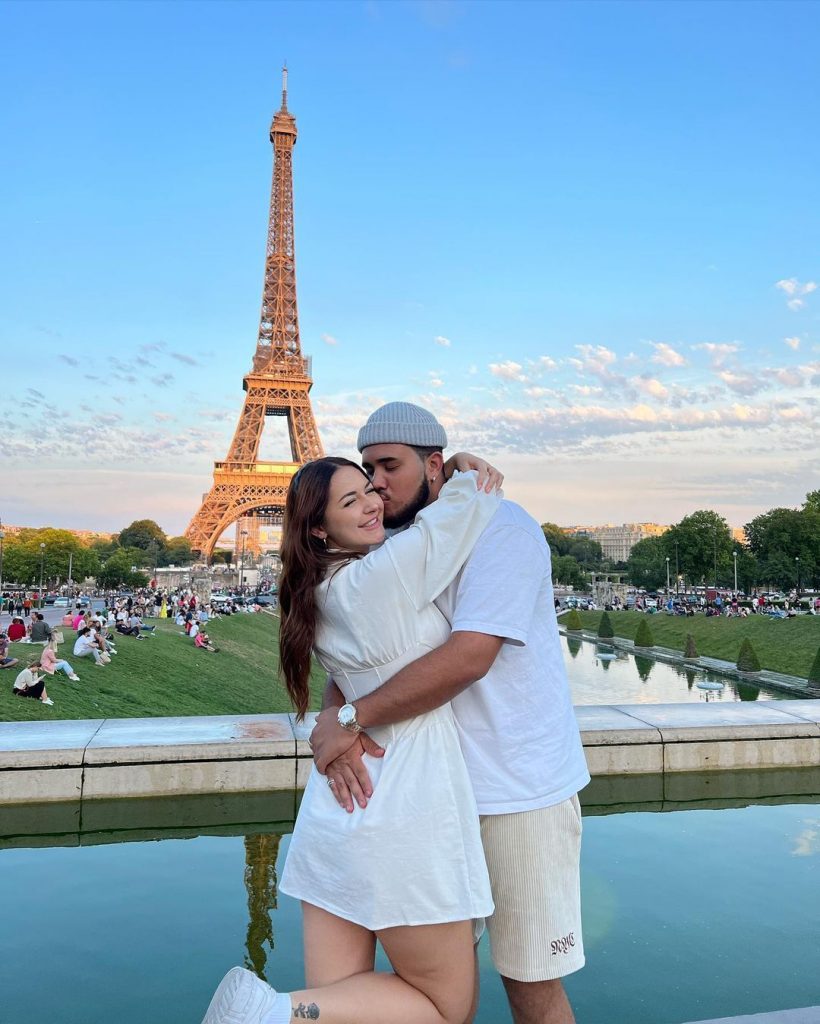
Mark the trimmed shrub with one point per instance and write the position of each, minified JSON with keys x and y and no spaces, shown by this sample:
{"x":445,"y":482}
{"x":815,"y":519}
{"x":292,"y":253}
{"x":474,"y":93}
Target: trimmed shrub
{"x":690,"y":651}
{"x":605,"y":630}
{"x":573,"y":621}
{"x":644,"y":666}
{"x":643,"y":638}
{"x":814,"y":671}
{"x":747,"y":660}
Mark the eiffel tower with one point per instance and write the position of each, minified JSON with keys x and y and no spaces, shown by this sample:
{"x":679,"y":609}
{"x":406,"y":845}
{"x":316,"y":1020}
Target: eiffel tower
{"x":279,"y":383}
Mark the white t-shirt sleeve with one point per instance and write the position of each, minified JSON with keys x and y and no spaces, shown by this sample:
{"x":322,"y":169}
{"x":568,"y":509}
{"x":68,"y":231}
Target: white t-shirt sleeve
{"x":428,"y":555}
{"x":498,"y":589}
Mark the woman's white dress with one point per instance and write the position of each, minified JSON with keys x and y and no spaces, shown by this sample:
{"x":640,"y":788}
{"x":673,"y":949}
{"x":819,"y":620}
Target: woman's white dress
{"x":413,"y":855}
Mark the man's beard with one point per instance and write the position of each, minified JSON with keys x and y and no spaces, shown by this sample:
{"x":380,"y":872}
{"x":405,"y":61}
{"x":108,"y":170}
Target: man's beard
{"x":407,"y":514}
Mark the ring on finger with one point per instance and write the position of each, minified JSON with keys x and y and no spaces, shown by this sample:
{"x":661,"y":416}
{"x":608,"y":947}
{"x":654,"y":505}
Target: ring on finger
{"x":331,"y":783}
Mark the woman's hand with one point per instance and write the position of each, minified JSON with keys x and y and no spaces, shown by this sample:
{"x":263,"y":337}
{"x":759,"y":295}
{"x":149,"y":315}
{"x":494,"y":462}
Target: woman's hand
{"x":488,"y":476}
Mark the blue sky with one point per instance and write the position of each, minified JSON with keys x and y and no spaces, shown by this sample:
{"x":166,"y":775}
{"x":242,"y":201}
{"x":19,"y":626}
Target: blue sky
{"x":584,"y":234}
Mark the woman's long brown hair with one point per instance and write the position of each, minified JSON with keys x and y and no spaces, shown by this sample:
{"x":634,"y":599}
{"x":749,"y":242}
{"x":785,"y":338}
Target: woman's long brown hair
{"x":305,"y":563}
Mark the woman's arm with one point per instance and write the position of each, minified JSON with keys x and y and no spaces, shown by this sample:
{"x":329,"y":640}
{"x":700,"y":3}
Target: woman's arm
{"x":463,"y":462}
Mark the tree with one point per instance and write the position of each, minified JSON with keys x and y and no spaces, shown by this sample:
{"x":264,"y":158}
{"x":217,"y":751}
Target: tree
{"x":605,"y":630}
{"x":566,"y":570}
{"x":690,"y":651}
{"x":814,"y":671}
{"x":117,"y":571}
{"x":812,"y":502}
{"x":781,"y":536}
{"x":22,"y":557}
{"x":704,"y":548}
{"x":747,"y":659}
{"x":647,"y":564}
{"x":586,"y":551}
{"x":643,"y":638}
{"x":178,"y":552}
{"x":556,"y":538}
{"x":573,"y":621}
{"x":141,"y":533}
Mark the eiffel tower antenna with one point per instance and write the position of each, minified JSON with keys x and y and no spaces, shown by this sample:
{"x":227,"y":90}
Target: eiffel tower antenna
{"x":279,"y":382}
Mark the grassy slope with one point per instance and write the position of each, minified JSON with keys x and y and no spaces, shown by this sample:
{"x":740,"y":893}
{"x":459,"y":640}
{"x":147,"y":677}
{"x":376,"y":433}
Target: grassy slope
{"x":165,"y":676}
{"x":782,"y":645}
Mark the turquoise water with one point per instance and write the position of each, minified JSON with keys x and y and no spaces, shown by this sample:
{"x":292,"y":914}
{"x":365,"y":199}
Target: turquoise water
{"x":687,"y":915}
{"x":631,"y":679}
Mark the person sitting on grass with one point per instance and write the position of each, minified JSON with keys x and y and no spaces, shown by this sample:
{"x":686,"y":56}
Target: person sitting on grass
{"x":5,"y":660}
{"x":17,"y":630}
{"x":136,"y":622}
{"x":203,"y":642}
{"x":124,"y":628}
{"x":29,"y":684}
{"x":50,"y":663}
{"x":85,"y":647}
{"x":40,"y":629}
{"x":99,"y":637}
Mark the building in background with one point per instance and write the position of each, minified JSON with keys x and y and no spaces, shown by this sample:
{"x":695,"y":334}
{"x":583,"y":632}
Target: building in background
{"x":617,"y":541}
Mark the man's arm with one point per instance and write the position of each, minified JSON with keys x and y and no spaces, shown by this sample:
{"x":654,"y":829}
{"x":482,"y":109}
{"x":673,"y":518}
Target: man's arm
{"x":424,"y":684}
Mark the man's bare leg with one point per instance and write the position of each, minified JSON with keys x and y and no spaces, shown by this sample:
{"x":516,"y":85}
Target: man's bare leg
{"x":538,"y":1002}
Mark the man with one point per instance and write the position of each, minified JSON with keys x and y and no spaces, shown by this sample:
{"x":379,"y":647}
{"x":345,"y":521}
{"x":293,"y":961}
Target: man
{"x":503,"y":671}
{"x":40,"y":629}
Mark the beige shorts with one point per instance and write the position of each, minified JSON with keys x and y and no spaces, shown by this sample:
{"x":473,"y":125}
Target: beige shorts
{"x":534,"y":863}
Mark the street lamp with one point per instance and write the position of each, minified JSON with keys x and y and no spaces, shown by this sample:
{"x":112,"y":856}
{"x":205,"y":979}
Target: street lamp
{"x":677,"y":571}
{"x":242,"y":564}
{"x":734,"y":555}
{"x":797,"y":561}
{"x":714,"y":553}
{"x":2,"y":535}
{"x":667,"y":574}
{"x":42,"y":559}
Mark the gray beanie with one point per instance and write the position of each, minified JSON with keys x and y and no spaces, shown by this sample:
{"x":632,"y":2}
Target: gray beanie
{"x":402,"y":423}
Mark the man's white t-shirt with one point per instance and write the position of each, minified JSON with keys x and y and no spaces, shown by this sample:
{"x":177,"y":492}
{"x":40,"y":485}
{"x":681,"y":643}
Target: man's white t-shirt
{"x":516,"y":725}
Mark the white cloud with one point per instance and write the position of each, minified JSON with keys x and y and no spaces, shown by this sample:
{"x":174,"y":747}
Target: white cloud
{"x":666,"y":355}
{"x":586,"y":389}
{"x":741,"y":383}
{"x":441,"y":340}
{"x":719,"y":352}
{"x":650,"y":386}
{"x":508,"y":370}
{"x":328,"y":339}
{"x":793,"y":343}
{"x":795,"y":290}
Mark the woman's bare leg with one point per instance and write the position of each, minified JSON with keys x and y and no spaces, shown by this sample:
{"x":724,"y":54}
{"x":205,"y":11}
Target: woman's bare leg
{"x":334,"y":949}
{"x":433,"y":982}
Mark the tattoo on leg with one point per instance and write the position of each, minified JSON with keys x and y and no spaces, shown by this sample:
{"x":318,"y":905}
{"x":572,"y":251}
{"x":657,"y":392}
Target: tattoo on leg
{"x":306,"y":1012}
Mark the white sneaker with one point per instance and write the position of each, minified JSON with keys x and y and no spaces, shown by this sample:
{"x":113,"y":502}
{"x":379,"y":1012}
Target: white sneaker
{"x":47,"y":700}
{"x":75,"y":678}
{"x":240,"y":998}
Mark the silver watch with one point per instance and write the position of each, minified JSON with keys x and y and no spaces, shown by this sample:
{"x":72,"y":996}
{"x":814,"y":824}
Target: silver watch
{"x":347,"y":718}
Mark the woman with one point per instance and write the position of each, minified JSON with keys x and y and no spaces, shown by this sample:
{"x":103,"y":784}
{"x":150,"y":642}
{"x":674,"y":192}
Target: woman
{"x":409,"y":871}
{"x":28,"y":684}
{"x":17,"y":630}
{"x":50,"y":663}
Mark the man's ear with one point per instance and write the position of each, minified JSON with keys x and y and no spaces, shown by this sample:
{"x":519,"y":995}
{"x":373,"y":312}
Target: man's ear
{"x":434,"y":467}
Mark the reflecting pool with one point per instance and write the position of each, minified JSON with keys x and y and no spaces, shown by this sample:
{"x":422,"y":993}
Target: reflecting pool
{"x":601,"y":674}
{"x":703,"y":912}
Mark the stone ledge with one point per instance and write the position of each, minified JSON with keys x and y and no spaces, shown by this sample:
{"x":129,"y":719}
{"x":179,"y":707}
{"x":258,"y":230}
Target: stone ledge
{"x":108,"y":759}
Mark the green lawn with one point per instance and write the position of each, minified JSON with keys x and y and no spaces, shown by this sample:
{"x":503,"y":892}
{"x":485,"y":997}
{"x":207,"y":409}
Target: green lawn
{"x":165,"y":676}
{"x":782,"y":645}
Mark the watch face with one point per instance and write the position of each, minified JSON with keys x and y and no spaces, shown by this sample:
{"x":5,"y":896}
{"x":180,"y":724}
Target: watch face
{"x":347,"y":715}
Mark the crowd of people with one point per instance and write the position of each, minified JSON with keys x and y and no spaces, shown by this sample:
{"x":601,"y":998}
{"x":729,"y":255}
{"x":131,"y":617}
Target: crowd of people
{"x":98,"y":629}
